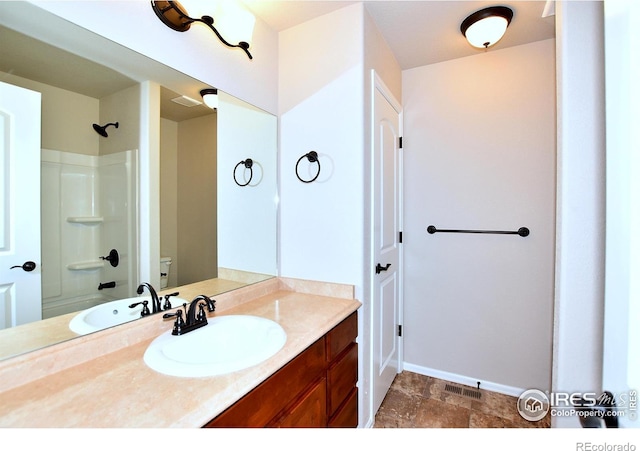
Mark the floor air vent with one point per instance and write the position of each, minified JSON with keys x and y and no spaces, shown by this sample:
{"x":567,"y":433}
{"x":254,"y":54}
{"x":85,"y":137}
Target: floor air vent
{"x":461,"y":391}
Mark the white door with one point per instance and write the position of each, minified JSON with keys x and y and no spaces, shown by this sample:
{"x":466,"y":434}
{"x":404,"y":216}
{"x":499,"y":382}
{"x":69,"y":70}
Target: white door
{"x":621,"y":365}
{"x":20,"y":296}
{"x":386,"y":223}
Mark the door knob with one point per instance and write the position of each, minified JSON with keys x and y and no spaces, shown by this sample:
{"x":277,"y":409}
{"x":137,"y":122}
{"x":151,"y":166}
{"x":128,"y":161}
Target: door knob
{"x":27,"y":266}
{"x":380,"y":268}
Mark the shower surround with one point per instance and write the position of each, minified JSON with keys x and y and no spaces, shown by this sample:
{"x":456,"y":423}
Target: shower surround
{"x":88,"y":208}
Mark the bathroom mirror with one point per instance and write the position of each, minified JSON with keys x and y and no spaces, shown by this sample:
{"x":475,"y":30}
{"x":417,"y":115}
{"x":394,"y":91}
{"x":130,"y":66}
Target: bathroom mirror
{"x":201,"y":207}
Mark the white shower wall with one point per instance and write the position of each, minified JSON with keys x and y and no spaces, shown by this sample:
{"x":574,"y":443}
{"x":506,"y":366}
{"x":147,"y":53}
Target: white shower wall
{"x":88,"y":208}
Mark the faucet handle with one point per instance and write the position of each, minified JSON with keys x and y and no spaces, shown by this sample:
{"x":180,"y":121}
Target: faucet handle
{"x":179,"y":323}
{"x":145,"y":308}
{"x":167,"y":303}
{"x":202,"y":316}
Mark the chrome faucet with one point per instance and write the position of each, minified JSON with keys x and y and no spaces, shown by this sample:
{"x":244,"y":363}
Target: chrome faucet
{"x":155,"y":301}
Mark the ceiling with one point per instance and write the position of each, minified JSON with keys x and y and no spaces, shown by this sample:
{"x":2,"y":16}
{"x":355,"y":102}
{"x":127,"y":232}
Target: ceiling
{"x":29,"y":58}
{"x":418,"y":32}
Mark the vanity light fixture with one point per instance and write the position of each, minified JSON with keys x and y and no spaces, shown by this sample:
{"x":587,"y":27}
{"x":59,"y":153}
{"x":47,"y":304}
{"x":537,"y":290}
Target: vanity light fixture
{"x":487,"y":26}
{"x":175,"y":16}
{"x":210,"y":97}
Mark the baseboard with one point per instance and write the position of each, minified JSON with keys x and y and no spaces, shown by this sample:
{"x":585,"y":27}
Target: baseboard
{"x":465,"y":380}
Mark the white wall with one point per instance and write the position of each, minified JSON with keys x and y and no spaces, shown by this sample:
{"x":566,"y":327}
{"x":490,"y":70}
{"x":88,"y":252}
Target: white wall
{"x":581,"y":200}
{"x":62,"y":111}
{"x":621,"y":367}
{"x":248,"y":226}
{"x":321,"y":110}
{"x":324,"y":106}
{"x":480,"y":154}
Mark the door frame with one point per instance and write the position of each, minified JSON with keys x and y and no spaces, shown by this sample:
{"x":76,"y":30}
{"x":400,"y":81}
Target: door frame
{"x":377,"y":84}
{"x":621,"y":372}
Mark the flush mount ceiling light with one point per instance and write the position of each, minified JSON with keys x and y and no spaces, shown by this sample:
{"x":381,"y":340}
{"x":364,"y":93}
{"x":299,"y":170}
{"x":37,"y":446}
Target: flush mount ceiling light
{"x":486,"y":27}
{"x":210,"y":97}
{"x":175,"y":16}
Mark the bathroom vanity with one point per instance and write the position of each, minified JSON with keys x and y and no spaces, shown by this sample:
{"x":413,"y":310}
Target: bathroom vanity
{"x":101,"y":380}
{"x":316,"y":389}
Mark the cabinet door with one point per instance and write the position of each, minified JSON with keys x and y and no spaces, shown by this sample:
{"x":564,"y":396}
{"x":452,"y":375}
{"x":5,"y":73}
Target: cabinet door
{"x":264,"y":403}
{"x":310,"y":411}
{"x":347,"y":414}
{"x":342,"y":378}
{"x":342,"y":336}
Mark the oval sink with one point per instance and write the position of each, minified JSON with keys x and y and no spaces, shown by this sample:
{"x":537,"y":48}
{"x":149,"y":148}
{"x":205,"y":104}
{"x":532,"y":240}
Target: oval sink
{"x":110,"y":314}
{"x":228,"y":343}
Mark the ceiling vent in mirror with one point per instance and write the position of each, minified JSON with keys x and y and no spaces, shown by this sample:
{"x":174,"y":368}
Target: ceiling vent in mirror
{"x":186,"y":101}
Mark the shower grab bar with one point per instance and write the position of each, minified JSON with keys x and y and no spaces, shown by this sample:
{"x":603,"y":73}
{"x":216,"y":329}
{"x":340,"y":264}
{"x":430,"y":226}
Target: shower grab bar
{"x":522,"y":231}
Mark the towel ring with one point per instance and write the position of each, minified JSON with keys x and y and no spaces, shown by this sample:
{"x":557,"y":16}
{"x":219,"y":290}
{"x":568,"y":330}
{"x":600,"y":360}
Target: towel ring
{"x":313,"y":158}
{"x":248,"y":164}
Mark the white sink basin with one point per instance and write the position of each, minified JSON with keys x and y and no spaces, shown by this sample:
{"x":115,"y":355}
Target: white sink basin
{"x":228,"y":343}
{"x":111,"y":314}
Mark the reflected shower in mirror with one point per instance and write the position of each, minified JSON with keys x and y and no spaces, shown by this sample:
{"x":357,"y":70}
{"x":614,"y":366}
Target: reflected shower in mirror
{"x":210,"y":229}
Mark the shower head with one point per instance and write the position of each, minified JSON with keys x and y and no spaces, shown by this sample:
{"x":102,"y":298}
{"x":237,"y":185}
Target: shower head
{"x":102,"y":130}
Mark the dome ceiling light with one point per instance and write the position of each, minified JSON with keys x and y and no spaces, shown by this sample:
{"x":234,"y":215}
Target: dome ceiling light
{"x":487,"y":26}
{"x":210,"y":97}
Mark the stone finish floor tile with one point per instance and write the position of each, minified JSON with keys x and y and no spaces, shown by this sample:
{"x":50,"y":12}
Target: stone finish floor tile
{"x":417,"y":401}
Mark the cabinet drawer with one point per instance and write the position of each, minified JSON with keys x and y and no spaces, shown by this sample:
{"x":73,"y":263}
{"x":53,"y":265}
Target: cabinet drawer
{"x":341,"y":336}
{"x":347,"y":414}
{"x":308,"y":412}
{"x":267,"y":400}
{"x":342,"y":378}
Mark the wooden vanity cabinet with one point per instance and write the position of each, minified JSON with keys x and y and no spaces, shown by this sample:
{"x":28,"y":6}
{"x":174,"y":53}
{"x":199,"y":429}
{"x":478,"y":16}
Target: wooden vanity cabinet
{"x":342,"y":374}
{"x":316,"y":389}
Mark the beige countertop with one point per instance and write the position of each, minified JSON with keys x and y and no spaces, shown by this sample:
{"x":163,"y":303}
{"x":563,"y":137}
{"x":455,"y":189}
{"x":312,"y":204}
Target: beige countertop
{"x":38,"y":334}
{"x":101,"y":380}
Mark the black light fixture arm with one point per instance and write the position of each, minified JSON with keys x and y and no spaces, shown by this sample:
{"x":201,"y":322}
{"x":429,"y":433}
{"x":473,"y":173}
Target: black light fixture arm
{"x":208,"y":21}
{"x":172,"y":14}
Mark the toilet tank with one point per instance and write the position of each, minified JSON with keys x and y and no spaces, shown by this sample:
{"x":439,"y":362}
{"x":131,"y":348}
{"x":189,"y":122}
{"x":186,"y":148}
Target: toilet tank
{"x":165,"y":263}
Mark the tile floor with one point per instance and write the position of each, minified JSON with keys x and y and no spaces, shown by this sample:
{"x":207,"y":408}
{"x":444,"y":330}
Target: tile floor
{"x":416,"y":401}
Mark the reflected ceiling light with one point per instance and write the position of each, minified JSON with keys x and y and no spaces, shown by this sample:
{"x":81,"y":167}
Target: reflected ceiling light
{"x":486,"y":27}
{"x":235,"y":20}
{"x":210,"y":97}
